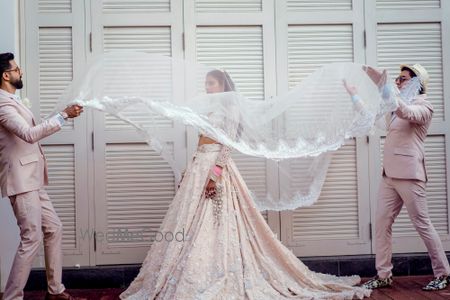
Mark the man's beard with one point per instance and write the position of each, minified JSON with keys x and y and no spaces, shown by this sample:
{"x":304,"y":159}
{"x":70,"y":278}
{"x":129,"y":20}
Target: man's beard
{"x":18,"y":84}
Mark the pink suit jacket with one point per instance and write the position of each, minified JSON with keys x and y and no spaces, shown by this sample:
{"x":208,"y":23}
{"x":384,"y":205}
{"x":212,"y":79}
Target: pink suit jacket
{"x":23,"y":166}
{"x":404,"y":155}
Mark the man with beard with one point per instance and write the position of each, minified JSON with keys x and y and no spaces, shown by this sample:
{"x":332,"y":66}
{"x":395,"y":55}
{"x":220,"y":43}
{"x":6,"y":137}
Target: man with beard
{"x":23,"y":175}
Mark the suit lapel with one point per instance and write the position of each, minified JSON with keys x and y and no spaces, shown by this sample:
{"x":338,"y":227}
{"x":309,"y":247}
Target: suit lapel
{"x":21,"y":107}
{"x":393,"y":117}
{"x":30,"y":113}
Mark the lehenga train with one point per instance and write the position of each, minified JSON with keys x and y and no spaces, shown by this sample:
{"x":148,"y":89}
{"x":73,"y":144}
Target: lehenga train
{"x":237,"y":258}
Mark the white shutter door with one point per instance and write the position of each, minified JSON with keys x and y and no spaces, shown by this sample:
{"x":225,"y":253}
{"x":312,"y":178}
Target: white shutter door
{"x":139,"y":188}
{"x":409,"y":43}
{"x":135,"y":6}
{"x":231,"y":6}
{"x":133,"y":185}
{"x":238,"y":50}
{"x":408,"y":32}
{"x":51,"y":62}
{"x":407,"y":4}
{"x":319,"y":5}
{"x":312,"y":38}
{"x":243,"y":46}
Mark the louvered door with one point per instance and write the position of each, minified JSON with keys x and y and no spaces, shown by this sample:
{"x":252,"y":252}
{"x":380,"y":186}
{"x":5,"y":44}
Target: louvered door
{"x":54,"y":55}
{"x":309,"y":35}
{"x":133,"y":185}
{"x":409,"y":32}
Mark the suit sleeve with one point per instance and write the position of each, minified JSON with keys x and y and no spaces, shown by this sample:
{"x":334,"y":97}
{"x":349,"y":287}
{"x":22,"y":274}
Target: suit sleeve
{"x":16,"y":124}
{"x":418,"y":113}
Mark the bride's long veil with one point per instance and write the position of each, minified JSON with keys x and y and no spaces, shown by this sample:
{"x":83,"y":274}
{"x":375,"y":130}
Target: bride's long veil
{"x":299,"y":130}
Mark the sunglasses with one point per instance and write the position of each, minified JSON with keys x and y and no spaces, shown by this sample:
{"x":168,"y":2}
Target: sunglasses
{"x":401,"y":79}
{"x":16,"y":69}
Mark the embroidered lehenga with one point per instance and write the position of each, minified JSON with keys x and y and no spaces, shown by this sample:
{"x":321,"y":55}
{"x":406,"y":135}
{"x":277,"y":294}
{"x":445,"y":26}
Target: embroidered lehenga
{"x":232,"y":254}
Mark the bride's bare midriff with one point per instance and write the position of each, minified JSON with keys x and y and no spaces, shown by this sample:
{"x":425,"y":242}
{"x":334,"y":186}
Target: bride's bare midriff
{"x":205,"y":140}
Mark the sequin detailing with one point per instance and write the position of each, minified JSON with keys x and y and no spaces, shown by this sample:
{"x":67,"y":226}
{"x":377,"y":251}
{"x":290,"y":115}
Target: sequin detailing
{"x":223,"y":157}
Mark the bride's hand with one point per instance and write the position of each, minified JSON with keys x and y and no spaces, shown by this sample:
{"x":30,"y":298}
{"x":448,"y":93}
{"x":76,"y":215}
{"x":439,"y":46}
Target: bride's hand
{"x":210,"y":190}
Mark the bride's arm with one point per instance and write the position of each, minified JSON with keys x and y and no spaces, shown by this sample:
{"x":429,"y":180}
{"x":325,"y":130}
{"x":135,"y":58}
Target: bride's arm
{"x":221,"y":161}
{"x":216,"y":171}
{"x":229,"y":124}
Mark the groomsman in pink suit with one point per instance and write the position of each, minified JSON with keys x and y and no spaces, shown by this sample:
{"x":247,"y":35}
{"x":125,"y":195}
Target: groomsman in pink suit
{"x":23,"y":175}
{"x":404,"y":179}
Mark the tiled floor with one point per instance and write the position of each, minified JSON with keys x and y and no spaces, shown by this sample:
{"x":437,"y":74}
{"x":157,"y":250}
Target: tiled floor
{"x":404,"y":288}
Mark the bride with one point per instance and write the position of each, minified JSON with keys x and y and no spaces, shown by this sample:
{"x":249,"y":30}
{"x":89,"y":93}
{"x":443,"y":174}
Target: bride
{"x":229,"y":251}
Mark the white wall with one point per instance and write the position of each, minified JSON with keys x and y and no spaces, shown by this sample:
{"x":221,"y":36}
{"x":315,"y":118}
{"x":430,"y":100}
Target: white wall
{"x":9,"y":233}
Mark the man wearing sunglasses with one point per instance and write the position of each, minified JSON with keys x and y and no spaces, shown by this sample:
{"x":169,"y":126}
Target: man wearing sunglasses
{"x":23,"y":175}
{"x":404,"y":176}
